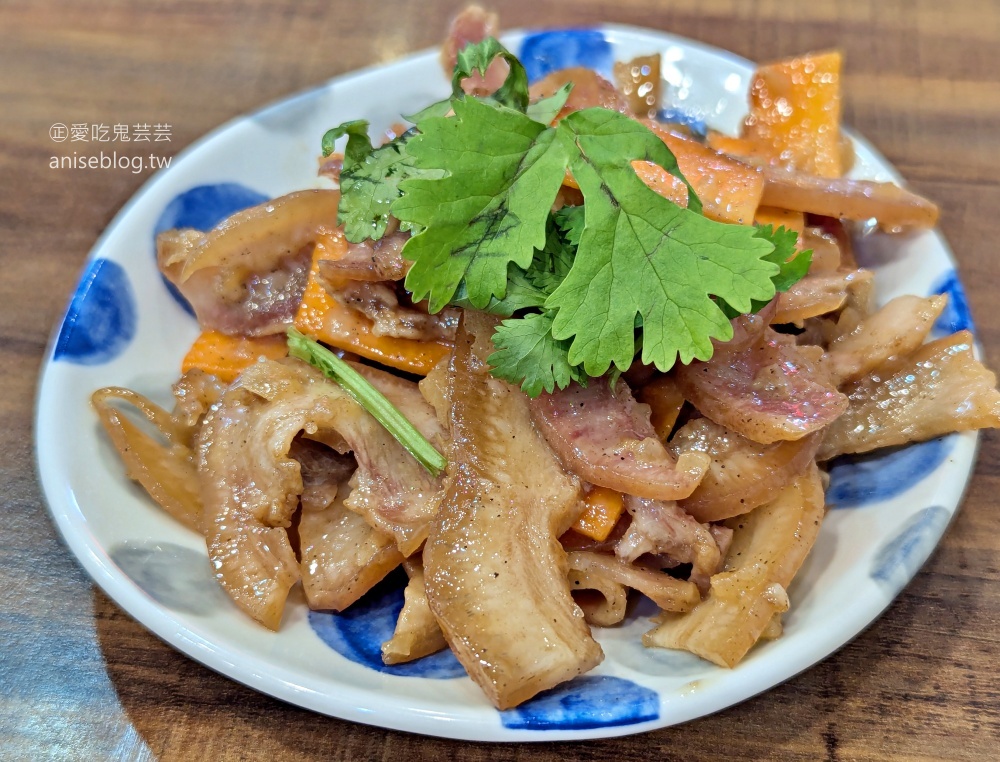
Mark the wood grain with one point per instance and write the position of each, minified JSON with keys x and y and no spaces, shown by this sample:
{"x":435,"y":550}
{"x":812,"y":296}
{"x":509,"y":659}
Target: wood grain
{"x":81,"y":680}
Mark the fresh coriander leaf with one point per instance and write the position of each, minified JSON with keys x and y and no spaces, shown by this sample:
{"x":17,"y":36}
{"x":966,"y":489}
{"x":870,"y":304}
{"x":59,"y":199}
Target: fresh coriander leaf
{"x":370,"y":398}
{"x":521,"y":294}
{"x":369,"y":184}
{"x":793,"y":266}
{"x":359,"y":146}
{"x":503,"y":173}
{"x":477,"y":57}
{"x":441,"y":108}
{"x":546,"y":109}
{"x":550,"y":266}
{"x":528,"y":355}
{"x":570,"y":221}
{"x":641,"y":255}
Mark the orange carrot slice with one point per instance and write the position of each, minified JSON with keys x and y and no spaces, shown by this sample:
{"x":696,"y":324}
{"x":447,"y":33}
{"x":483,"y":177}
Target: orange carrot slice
{"x":227,"y":356}
{"x":794,"y":119}
{"x":323,"y":318}
{"x":603,"y":509}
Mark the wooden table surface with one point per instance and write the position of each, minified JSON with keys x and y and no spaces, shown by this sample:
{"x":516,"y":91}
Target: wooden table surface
{"x":79,"y":679}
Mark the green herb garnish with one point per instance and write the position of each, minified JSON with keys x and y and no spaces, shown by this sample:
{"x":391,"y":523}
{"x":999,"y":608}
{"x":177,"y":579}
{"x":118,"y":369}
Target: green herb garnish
{"x":370,"y":398}
{"x":585,"y":289}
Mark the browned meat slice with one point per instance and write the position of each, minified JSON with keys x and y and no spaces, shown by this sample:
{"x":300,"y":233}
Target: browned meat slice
{"x":768,"y":547}
{"x":379,"y":303}
{"x":818,"y":294}
{"x":896,"y":330}
{"x":743,"y":473}
{"x":590,"y":90}
{"x":662,"y":528}
{"x":894,"y":207}
{"x":938,"y":389}
{"x":250,"y":487}
{"x":761,"y":385}
{"x":606,"y":437}
{"x":668,"y":593}
{"x":473,"y":24}
{"x":495,"y":573}
{"x":247,"y":275}
{"x":369,"y":260}
{"x":417,"y":632}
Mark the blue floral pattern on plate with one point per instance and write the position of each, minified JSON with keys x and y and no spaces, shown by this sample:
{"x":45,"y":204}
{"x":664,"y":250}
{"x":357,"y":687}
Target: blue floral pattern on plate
{"x":900,"y":557}
{"x":101,"y":319}
{"x":956,"y":316}
{"x":359,"y":632}
{"x":546,"y":52}
{"x":593,"y":701}
{"x":860,"y":480}
{"x":202,"y":208}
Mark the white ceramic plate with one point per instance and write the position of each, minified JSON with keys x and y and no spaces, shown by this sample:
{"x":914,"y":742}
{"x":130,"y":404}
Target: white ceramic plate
{"x":124,"y":328}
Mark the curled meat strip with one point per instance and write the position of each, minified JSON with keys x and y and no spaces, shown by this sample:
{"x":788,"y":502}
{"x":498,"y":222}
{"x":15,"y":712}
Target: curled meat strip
{"x":768,"y":547}
{"x":342,"y":556}
{"x":662,"y":528}
{"x":743,"y":473}
{"x":818,"y":294}
{"x":417,"y":632}
{"x":761,"y":385}
{"x":247,"y":275}
{"x":606,"y":438}
{"x":938,"y":389}
{"x":250,"y":487}
{"x":668,"y":593}
{"x":896,"y":330}
{"x":495,"y":573}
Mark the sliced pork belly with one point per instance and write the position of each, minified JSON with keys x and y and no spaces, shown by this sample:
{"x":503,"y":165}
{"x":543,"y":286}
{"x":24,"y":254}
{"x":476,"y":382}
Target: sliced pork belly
{"x":768,"y":547}
{"x":667,"y":592}
{"x":606,"y":438}
{"x":662,"y":528}
{"x":417,"y":632}
{"x":761,"y":385}
{"x":743,"y":473}
{"x":896,"y":330}
{"x":247,"y":275}
{"x":473,"y":24}
{"x":250,"y":487}
{"x":341,"y":556}
{"x":495,"y":573}
{"x":369,"y":260}
{"x":938,"y":389}
{"x":818,"y":294}
{"x":379,"y":303}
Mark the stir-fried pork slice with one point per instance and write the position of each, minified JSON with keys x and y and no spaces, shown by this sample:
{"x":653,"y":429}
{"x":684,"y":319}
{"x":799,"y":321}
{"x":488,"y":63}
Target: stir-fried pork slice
{"x":194,"y":394}
{"x":250,"y":487}
{"x":744,"y":473}
{"x":379,"y":303}
{"x":417,"y":632}
{"x":342,"y":556}
{"x":247,"y":275}
{"x":495,"y":573}
{"x":761,"y":385}
{"x":894,"y":207}
{"x":603,"y":601}
{"x":662,"y":528}
{"x":369,"y":260}
{"x":818,"y":294}
{"x":938,"y":389}
{"x":605,"y":437}
{"x":768,"y":547}
{"x":391,"y":490}
{"x":667,"y":592}
{"x":163,"y":465}
{"x":590,"y":90}
{"x":473,"y":24}
{"x":896,"y":330}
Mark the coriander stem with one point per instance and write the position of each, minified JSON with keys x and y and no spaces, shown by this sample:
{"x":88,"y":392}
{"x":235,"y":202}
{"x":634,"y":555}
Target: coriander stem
{"x":370,"y":398}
